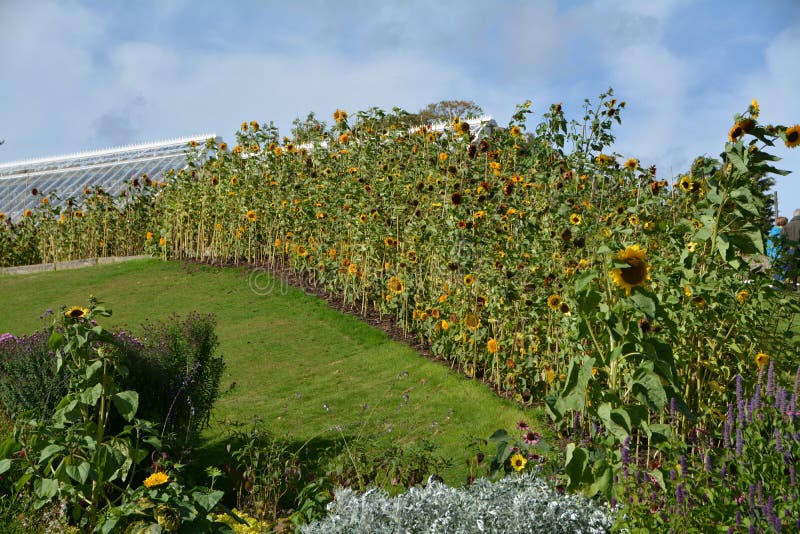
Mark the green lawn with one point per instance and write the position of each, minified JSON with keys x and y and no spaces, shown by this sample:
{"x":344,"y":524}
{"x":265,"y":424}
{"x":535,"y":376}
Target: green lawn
{"x":291,"y":359}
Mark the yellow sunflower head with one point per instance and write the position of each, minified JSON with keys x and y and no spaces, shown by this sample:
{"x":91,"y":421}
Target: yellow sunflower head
{"x":472,"y":321}
{"x":762,"y":359}
{"x":686,"y":184}
{"x":492,"y":346}
{"x":76,"y":312}
{"x":554,"y":301}
{"x":251,"y":216}
{"x":742,"y":295}
{"x":156,"y":479}
{"x":637,"y":273}
{"x":792,"y":136}
{"x":515,"y":131}
{"x":518,"y":462}
{"x":468,"y":279}
{"x":575,"y":219}
{"x":395,"y":285}
{"x":736,"y":133}
{"x":632,"y":164}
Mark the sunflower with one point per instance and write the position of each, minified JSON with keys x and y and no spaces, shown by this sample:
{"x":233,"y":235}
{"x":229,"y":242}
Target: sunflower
{"x":554,"y":301}
{"x":362,"y":218}
{"x":575,"y":219}
{"x":443,"y":156}
{"x":390,"y":242}
{"x":686,"y":184}
{"x":762,"y":359}
{"x":301,"y":251}
{"x":159,"y":478}
{"x":444,"y":324}
{"x":395,"y":285}
{"x":251,"y":216}
{"x":2,"y":216}
{"x":518,"y":462}
{"x":637,"y":271}
{"x":515,"y":131}
{"x":492,"y":346}
{"x":632,"y":164}
{"x":27,"y":213}
{"x":472,"y":321}
{"x":148,"y":236}
{"x":162,"y":241}
{"x":755,"y":109}
{"x":76,"y":312}
{"x":344,"y":138}
{"x":468,"y":279}
{"x":742,"y":295}
{"x":234,"y":180}
{"x":339,"y":115}
{"x":456,"y":199}
{"x":633,"y":220}
{"x":737,"y":131}
{"x":793,"y":136}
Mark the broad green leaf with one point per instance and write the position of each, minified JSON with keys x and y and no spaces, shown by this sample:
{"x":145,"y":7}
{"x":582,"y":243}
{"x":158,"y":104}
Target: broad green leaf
{"x":207,"y":500}
{"x":723,"y":246}
{"x":645,"y":302}
{"x":93,"y":368}
{"x":80,"y":472}
{"x":91,"y":395}
{"x":45,"y":488}
{"x":576,"y":462}
{"x":648,"y":389}
{"x":615,"y":420}
{"x":49,"y":451}
{"x":55,"y":341}
{"x":658,"y":476}
{"x":603,"y":475}
{"x":126,"y":403}
{"x":5,"y":465}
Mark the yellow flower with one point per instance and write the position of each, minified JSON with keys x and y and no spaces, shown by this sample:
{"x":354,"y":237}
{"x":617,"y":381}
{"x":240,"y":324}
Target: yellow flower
{"x":78,"y":214}
{"x":443,"y":156}
{"x":339,"y":115}
{"x":762,"y":359}
{"x":76,"y":312}
{"x":518,"y":462}
{"x":632,"y":164}
{"x":162,"y":241}
{"x":27,"y":213}
{"x":445,"y":325}
{"x":691,"y":246}
{"x":515,"y":131}
{"x":754,"y":108}
{"x":736,"y":132}
{"x":637,"y":271}
{"x":687,"y":291}
{"x":575,"y":219}
{"x":554,"y":301}
{"x":156,"y":479}
{"x":471,"y":321}
{"x":148,"y":236}
{"x":395,"y":285}
{"x":686,"y":184}
{"x":301,"y":251}
{"x":492,"y":346}
{"x":468,"y":279}
{"x":793,"y":136}
{"x":251,"y":216}
{"x":742,"y":295}
{"x":633,"y":220}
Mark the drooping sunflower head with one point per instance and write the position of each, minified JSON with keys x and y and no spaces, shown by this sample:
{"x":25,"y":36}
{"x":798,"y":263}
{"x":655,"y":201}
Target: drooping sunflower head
{"x":472,"y":321}
{"x":793,"y":136}
{"x":554,"y":301}
{"x":395,"y":285}
{"x":736,"y":132}
{"x":637,"y":273}
{"x":76,"y":312}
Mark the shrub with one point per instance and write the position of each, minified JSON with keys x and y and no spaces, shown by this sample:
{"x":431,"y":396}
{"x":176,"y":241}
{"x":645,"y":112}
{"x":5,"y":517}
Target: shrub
{"x":28,"y":377}
{"x":513,"y":504}
{"x":175,"y":367}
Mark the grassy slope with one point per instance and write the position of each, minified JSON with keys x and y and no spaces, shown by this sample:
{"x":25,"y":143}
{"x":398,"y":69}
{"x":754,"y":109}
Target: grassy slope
{"x":288,"y":356}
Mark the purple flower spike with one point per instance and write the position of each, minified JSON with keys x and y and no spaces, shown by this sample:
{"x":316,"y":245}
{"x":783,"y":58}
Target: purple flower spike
{"x":771,"y":378}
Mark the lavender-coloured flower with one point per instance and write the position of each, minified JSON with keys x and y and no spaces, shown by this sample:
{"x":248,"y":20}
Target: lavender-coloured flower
{"x":531,"y":437}
{"x":771,"y":378}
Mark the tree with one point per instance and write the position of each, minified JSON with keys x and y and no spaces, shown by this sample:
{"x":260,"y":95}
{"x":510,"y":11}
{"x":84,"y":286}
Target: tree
{"x":447,"y":110}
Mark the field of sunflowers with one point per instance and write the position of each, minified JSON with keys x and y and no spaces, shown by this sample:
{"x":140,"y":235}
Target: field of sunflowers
{"x":638,"y":309}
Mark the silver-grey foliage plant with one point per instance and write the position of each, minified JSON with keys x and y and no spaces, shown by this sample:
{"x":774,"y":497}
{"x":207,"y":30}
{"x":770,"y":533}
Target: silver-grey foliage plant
{"x":514,"y":504}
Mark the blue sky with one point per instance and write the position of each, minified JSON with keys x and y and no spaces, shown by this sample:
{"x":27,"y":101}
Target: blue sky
{"x":86,"y":75}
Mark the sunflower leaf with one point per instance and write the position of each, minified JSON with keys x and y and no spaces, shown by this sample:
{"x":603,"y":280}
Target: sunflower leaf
{"x":126,"y":403}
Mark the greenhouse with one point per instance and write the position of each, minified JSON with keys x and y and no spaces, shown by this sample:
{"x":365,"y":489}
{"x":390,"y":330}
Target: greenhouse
{"x":22,"y":183}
